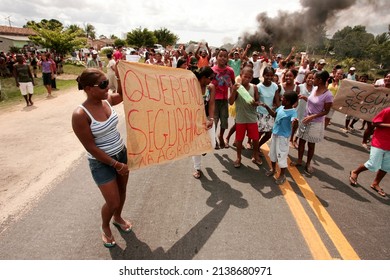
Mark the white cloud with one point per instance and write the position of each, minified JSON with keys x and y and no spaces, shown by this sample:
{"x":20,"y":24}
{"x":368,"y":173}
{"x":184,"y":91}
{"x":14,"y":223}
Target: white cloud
{"x":216,"y":21}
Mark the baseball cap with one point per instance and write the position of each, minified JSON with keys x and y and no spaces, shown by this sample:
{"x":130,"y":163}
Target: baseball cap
{"x":94,"y":52}
{"x":321,"y":61}
{"x":352,"y":69}
{"x":255,"y":53}
{"x":279,"y":56}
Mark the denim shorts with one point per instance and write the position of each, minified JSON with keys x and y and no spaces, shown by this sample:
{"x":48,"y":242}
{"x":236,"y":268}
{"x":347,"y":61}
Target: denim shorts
{"x":103,"y":173}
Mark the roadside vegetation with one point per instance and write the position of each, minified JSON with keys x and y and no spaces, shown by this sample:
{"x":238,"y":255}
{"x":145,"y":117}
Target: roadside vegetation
{"x":10,"y":94}
{"x":350,"y":46}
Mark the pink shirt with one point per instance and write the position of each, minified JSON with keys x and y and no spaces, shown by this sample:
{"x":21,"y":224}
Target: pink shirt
{"x":117,"y":55}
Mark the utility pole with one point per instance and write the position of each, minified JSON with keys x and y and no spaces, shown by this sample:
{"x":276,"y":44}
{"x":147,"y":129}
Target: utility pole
{"x":9,"y":20}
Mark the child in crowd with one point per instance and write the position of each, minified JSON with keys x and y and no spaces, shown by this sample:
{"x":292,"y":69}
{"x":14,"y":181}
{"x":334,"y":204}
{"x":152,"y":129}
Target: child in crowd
{"x":224,"y":79}
{"x":284,"y":115}
{"x":269,"y":94}
{"x":232,"y":110}
{"x":246,"y":118}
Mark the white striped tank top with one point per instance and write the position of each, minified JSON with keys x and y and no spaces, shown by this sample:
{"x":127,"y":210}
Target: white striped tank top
{"x":106,"y":135}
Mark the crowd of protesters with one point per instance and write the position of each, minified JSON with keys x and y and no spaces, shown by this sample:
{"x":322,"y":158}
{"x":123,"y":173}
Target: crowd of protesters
{"x":276,"y":82}
{"x":276,"y":78}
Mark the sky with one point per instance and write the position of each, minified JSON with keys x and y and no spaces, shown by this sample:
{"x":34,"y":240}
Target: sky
{"x":217,"y":21}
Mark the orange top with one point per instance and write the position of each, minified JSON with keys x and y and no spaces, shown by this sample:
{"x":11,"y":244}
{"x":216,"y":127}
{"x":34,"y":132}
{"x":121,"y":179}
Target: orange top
{"x":203,"y":61}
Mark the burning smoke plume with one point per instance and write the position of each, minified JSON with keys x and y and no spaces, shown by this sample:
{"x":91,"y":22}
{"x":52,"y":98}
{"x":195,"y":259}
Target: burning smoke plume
{"x":305,"y":26}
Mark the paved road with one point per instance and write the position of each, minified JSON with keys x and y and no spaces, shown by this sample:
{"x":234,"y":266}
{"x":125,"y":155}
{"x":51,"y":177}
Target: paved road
{"x":228,"y":214}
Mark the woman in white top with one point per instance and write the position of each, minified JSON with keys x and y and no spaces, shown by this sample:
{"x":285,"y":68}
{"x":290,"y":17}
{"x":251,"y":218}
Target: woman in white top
{"x":305,"y":90}
{"x":302,"y":71}
{"x":94,"y":123}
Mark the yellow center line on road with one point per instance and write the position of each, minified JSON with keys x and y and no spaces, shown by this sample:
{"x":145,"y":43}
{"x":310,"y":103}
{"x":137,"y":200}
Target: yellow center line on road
{"x":341,"y":243}
{"x":310,"y":234}
{"x":307,"y":228}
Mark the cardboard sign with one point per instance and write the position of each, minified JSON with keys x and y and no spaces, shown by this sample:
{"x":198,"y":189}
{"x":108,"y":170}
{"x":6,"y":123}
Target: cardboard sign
{"x":165,"y":114}
{"x":361,"y":100}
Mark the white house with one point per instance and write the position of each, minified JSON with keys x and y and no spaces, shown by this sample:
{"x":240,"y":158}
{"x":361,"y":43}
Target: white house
{"x":14,"y":37}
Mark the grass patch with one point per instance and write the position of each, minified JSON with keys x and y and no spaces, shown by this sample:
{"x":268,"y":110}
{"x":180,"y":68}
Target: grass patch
{"x":73,"y":69}
{"x":11,"y":95}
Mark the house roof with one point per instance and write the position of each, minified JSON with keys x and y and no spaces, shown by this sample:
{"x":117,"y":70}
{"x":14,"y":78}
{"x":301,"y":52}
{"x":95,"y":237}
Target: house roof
{"x":16,"y":31}
{"x":15,"y":38}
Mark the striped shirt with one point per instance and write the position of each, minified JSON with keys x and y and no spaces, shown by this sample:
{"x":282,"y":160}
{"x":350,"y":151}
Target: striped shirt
{"x":106,"y":135}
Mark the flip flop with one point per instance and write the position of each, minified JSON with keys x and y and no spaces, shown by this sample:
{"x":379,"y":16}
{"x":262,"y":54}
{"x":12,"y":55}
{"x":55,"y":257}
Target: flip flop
{"x":105,"y":239}
{"x":126,"y":228}
{"x":258,"y":162}
{"x":309,"y":170}
{"x":270,"y":173}
{"x":237,"y":164}
{"x":280,"y":181}
{"x":380,"y":191}
{"x":226,"y":143}
{"x":352,"y":181}
{"x":197,"y":174}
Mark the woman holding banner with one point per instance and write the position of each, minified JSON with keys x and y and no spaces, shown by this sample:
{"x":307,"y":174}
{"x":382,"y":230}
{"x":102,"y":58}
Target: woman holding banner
{"x":205,"y":75}
{"x":95,"y":125}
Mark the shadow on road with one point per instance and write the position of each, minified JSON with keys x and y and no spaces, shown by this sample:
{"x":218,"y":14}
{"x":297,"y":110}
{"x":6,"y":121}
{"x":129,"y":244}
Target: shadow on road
{"x":222,"y":196}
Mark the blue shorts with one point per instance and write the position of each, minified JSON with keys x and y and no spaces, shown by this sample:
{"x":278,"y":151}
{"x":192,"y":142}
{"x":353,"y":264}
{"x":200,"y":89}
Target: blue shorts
{"x":379,"y":159}
{"x":103,"y":173}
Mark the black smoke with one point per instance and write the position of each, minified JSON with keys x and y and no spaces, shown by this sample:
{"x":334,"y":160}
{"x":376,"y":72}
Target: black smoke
{"x":305,"y":27}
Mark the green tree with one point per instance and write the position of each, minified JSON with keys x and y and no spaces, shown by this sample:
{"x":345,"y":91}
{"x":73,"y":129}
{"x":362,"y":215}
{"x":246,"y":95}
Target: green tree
{"x":51,"y":34}
{"x":119,"y":42}
{"x":352,"y":42}
{"x":90,"y":32}
{"x":141,"y":37}
{"x":75,"y":28}
{"x":165,"y":37}
{"x":380,"y":50}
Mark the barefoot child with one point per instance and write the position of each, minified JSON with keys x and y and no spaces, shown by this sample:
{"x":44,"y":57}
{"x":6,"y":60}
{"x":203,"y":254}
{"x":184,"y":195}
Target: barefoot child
{"x":284,"y":115}
{"x":246,"y":118}
{"x":223,"y":81}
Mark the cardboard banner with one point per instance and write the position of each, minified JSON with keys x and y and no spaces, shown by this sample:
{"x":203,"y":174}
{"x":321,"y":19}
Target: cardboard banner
{"x":165,"y":114}
{"x":361,"y":100}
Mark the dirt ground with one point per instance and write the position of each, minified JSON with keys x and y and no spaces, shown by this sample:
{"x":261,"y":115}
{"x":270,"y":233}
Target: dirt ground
{"x":37,"y":147}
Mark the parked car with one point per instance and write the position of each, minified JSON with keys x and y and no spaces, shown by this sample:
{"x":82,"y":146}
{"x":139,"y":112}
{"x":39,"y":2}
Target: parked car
{"x":158,"y":48}
{"x":128,"y":50}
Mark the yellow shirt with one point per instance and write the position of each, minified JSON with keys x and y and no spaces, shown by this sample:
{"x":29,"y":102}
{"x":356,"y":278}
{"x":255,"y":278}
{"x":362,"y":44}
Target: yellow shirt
{"x":333,"y":88}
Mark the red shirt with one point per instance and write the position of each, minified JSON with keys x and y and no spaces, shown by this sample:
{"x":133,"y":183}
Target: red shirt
{"x":224,"y":79}
{"x":381,"y":137}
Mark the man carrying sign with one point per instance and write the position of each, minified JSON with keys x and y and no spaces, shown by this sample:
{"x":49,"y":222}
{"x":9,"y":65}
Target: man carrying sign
{"x":379,"y":160}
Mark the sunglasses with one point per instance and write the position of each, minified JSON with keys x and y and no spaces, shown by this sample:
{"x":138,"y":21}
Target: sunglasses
{"x":102,"y":84}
